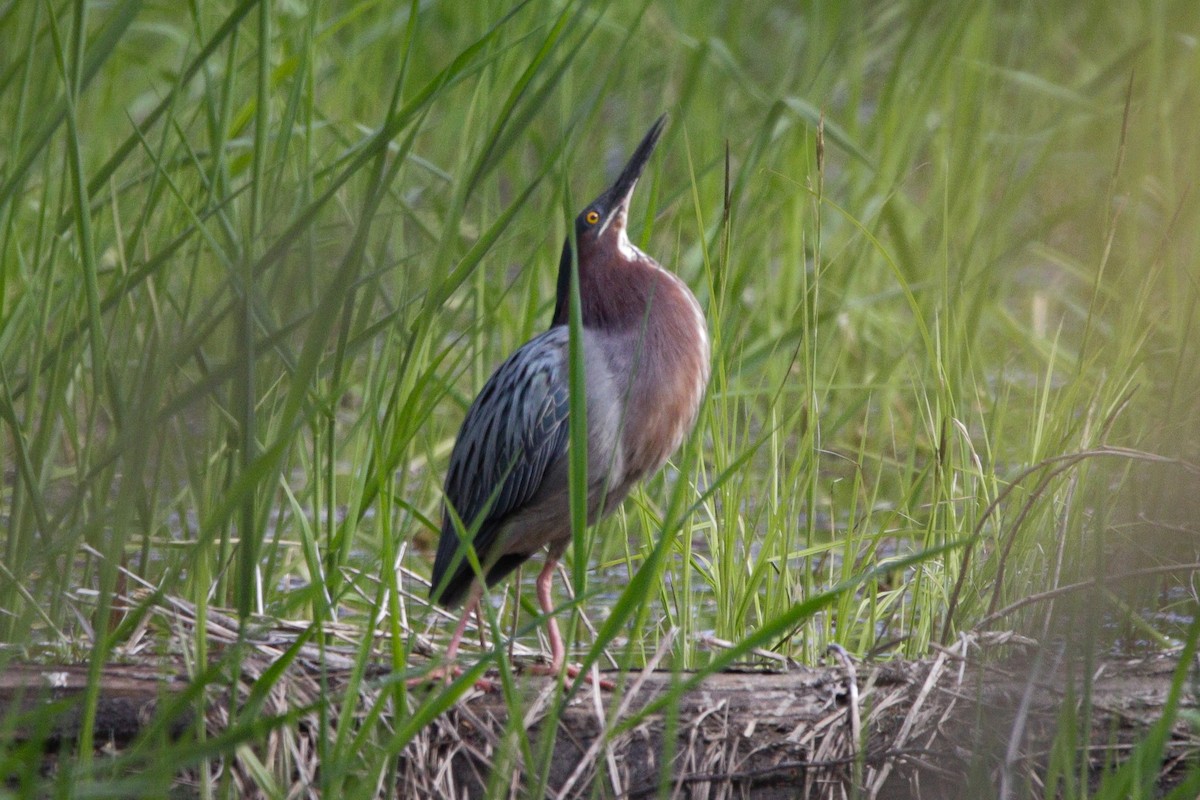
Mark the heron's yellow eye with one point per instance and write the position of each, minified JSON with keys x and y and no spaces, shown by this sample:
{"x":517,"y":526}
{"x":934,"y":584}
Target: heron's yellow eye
{"x":592,"y":217}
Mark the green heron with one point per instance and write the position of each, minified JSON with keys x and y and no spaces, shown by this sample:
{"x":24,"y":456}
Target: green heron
{"x":646,"y":365}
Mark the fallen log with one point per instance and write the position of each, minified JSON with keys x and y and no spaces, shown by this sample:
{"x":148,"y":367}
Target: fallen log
{"x":930,"y":728}
{"x":934,"y":728}
{"x":45,"y":702}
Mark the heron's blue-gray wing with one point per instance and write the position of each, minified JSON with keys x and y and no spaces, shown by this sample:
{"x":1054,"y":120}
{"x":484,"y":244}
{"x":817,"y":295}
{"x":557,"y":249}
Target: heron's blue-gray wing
{"x":514,"y":431}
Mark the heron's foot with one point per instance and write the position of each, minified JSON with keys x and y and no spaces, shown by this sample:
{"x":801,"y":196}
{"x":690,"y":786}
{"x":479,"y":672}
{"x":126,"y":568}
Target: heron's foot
{"x":574,"y":671}
{"x":447,"y":673}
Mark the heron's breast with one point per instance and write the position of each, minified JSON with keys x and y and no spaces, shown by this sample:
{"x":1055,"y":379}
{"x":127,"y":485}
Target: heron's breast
{"x":668,"y":378}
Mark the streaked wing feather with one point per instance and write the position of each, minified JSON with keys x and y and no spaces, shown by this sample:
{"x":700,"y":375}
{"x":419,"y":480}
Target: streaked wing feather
{"x":513,"y":432}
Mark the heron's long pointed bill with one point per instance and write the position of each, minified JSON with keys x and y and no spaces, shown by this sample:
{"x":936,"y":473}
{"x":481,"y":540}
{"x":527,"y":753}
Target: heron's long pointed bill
{"x":617,"y":198}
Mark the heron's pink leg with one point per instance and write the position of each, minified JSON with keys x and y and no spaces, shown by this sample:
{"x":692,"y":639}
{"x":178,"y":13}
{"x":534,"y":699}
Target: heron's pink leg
{"x":451,"y":670}
{"x":558,"y":651}
{"x":470,"y":607}
{"x":545,"y":580}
